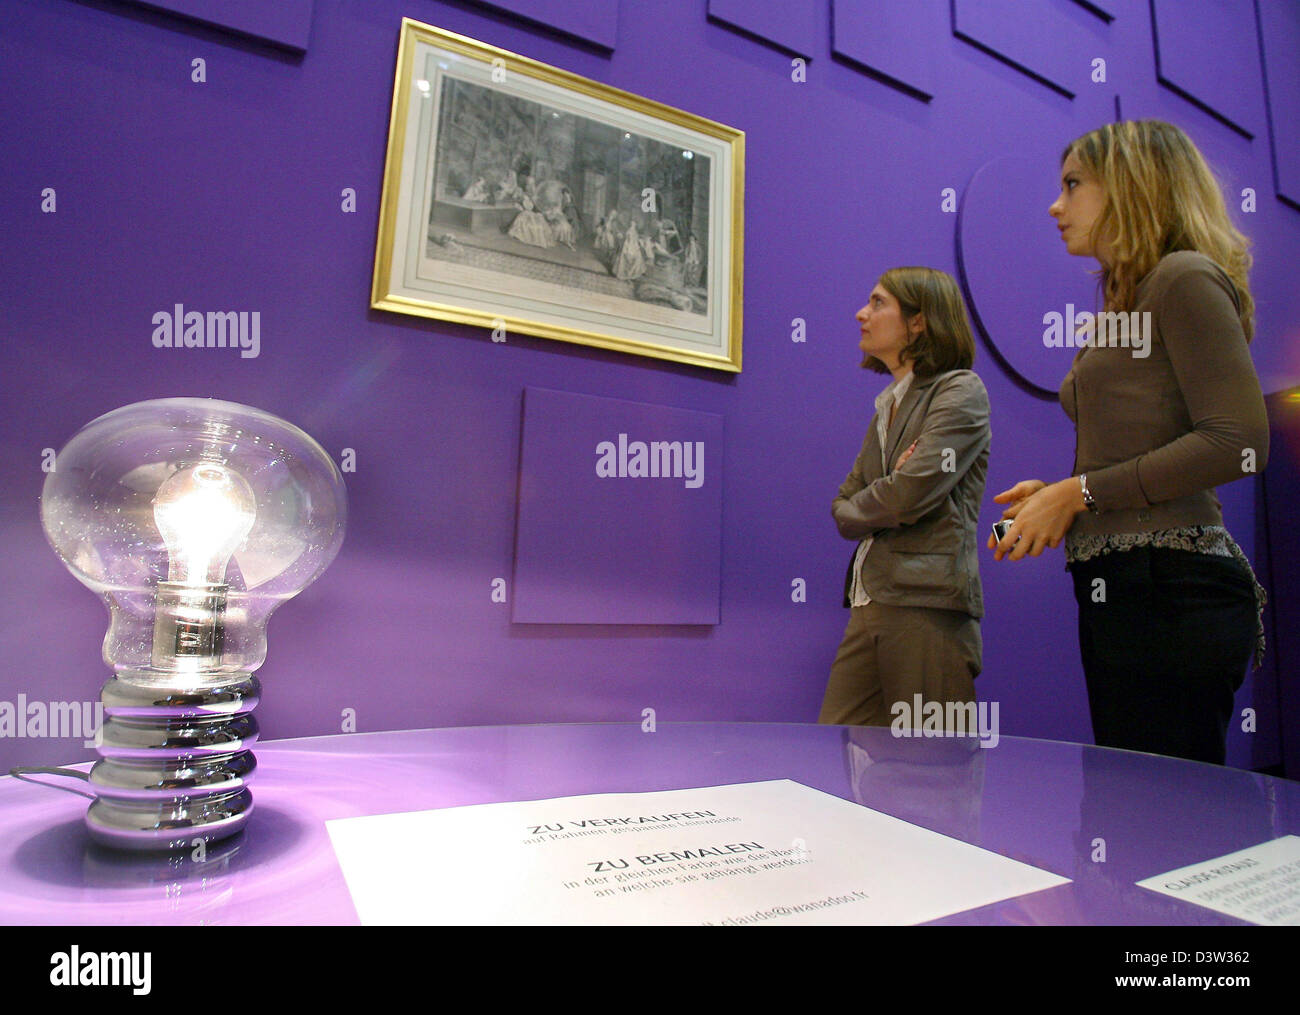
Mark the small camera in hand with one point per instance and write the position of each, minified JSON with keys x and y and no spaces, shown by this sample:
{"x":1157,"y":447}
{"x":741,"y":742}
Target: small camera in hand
{"x":1000,"y":529}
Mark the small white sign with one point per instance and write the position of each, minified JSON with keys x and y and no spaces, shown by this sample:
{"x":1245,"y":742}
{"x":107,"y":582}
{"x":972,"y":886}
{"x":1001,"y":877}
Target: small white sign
{"x":1260,"y":884}
{"x":749,"y":854}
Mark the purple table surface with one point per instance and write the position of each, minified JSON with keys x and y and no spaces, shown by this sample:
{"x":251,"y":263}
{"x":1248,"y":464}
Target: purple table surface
{"x":1103,"y":818}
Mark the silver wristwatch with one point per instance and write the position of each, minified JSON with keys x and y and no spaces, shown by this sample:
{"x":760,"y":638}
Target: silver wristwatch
{"x":1088,"y":502}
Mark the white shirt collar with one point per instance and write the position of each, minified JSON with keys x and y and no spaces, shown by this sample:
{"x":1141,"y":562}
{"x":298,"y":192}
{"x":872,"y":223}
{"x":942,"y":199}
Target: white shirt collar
{"x":895,"y":391}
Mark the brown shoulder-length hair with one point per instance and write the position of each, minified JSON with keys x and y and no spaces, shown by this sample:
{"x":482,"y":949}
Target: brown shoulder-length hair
{"x":1160,"y":196}
{"x":945,"y":342}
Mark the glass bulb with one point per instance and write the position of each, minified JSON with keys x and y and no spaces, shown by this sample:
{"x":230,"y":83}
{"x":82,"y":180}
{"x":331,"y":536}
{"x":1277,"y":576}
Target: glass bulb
{"x":194,"y":519}
{"x":203,"y":513}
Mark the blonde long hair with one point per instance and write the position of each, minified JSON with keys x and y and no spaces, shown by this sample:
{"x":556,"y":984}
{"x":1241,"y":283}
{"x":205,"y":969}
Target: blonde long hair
{"x":1161,"y":196}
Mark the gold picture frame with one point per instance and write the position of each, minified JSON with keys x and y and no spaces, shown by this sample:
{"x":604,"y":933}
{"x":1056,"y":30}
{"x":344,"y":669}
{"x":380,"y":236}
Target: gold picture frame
{"x":521,"y":197}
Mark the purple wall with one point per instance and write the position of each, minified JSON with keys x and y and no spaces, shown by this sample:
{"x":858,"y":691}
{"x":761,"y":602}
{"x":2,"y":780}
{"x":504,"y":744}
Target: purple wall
{"x":1277,"y":554}
{"x":226,"y":194}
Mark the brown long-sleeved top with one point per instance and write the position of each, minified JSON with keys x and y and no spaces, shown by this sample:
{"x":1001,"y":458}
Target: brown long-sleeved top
{"x":1157,"y":433}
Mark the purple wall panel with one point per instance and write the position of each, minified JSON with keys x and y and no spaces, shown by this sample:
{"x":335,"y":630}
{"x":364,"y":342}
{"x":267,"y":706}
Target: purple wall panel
{"x":792,"y":25}
{"x":595,"y":21}
{"x":227,"y":195}
{"x":1104,"y":9}
{"x":1279,"y":32}
{"x":285,"y":23}
{"x":894,"y":39}
{"x":1001,"y":233}
{"x":1053,"y":41}
{"x":1280,"y":491}
{"x":1208,"y":52}
{"x":608,"y":534}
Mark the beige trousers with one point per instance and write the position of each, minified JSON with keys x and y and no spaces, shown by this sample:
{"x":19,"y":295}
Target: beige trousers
{"x":892,"y":653}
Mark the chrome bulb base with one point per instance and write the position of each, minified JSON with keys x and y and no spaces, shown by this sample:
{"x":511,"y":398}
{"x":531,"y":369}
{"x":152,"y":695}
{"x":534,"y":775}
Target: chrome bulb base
{"x":174,"y":765}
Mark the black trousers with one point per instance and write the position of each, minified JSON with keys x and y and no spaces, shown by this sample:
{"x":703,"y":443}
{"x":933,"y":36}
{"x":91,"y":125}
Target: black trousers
{"x":1166,"y":636}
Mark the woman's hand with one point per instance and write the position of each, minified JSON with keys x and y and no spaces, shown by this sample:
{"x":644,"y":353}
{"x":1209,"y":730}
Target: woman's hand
{"x":1043,"y":515}
{"x":905,"y":456}
{"x":1016,"y":497}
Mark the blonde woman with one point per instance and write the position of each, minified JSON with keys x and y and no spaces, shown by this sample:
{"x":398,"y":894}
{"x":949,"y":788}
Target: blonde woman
{"x":911,"y":504}
{"x":1169,"y":609}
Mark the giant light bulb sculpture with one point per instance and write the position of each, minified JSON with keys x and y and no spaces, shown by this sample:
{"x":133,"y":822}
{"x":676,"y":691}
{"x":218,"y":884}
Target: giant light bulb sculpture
{"x":193,"y":519}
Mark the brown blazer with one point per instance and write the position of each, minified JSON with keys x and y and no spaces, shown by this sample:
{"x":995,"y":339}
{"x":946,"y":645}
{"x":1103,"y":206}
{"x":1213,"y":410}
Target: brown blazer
{"x":924,"y":516}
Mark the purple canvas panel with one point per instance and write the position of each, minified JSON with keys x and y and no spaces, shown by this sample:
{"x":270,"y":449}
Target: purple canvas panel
{"x":620,"y":512}
{"x":892,"y":39}
{"x":1051,"y":42}
{"x":595,"y":21}
{"x":285,"y":23}
{"x":792,"y":25}
{"x":1208,"y":52}
{"x":1279,"y":32}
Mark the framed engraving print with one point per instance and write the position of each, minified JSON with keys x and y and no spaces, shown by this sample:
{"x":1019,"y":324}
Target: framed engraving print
{"x":522,"y":197}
